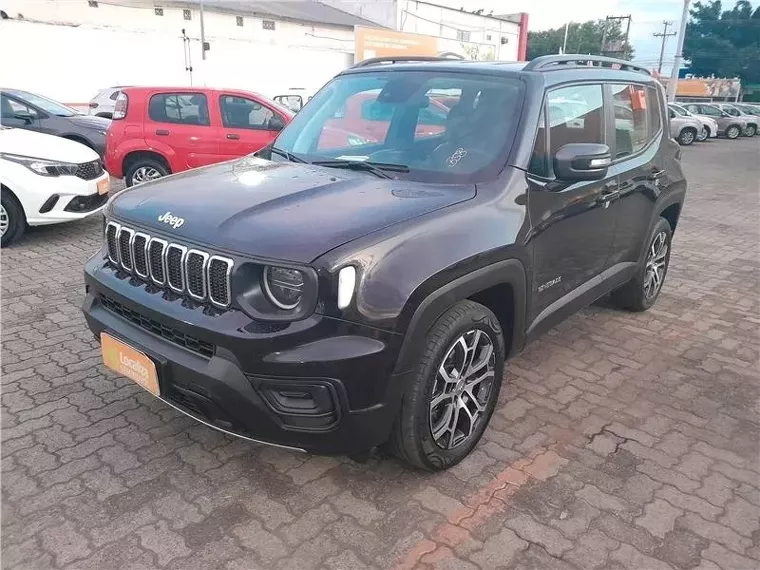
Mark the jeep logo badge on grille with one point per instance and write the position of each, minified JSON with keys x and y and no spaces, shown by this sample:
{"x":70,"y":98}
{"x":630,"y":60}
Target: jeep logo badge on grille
{"x":173,"y":221}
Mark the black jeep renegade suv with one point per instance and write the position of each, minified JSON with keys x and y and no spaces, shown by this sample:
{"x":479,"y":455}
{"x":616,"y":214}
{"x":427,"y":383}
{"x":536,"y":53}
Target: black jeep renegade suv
{"x":363,"y":280}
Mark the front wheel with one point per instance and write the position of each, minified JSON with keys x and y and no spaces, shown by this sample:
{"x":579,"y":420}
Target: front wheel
{"x":733,"y":132}
{"x":12,"y":219}
{"x":145,"y":170}
{"x":751,"y":131}
{"x":687,"y":137}
{"x":703,"y":135}
{"x":641,"y":292}
{"x":447,"y":406}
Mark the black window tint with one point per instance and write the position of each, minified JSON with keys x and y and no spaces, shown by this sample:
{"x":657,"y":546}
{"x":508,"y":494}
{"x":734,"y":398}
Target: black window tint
{"x":242,"y":113}
{"x":575,"y":116}
{"x":114,"y":95}
{"x":182,"y":108}
{"x":631,"y":118}
{"x":539,"y":160}
{"x":9,"y":107}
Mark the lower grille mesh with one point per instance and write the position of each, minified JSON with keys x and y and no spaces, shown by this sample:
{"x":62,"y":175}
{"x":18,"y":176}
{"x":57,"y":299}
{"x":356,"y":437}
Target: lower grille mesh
{"x":169,"y":333}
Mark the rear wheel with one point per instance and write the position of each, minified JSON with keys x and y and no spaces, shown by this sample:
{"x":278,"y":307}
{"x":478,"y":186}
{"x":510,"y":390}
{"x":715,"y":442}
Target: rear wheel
{"x":12,"y":219}
{"x":145,"y":170}
{"x":687,"y":136}
{"x":733,"y":132}
{"x":447,"y":406}
{"x":641,"y":292}
{"x":703,"y":135}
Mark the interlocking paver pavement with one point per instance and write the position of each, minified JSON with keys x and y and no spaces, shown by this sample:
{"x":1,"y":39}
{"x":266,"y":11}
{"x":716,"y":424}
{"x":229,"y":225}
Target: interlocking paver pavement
{"x":622,"y":441}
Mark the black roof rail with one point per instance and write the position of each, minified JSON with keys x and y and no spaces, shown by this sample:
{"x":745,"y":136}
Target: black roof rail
{"x":549,"y":62}
{"x":403,"y":58}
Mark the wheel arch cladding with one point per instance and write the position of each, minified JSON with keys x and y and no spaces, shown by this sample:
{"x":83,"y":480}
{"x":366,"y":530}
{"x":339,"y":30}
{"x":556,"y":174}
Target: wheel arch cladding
{"x":486,"y":286}
{"x":671,"y":214}
{"x":136,"y":155}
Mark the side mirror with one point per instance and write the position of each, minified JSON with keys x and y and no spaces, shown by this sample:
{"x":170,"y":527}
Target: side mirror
{"x":25,"y":116}
{"x":275,"y":123}
{"x":582,"y":161}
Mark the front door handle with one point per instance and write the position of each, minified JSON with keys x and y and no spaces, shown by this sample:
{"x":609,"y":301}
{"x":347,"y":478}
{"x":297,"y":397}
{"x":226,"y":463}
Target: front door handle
{"x":610,"y":192}
{"x":233,"y":136}
{"x":657,"y":174}
{"x":162,"y":132}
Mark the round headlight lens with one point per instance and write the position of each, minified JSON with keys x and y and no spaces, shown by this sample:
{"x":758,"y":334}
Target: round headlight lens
{"x":284,"y":287}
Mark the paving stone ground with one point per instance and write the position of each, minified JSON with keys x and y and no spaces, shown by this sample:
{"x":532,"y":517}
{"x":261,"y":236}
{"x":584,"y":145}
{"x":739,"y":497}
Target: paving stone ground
{"x":622,"y":441}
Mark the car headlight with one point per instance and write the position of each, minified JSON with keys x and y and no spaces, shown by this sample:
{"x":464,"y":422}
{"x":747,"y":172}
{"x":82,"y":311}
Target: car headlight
{"x":41,"y":166}
{"x":283,"y":286}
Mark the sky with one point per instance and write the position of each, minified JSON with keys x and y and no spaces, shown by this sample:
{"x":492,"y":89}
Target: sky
{"x":647,"y":18}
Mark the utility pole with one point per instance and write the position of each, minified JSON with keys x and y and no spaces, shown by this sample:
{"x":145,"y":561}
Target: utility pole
{"x":624,"y":47}
{"x":664,"y":35}
{"x":673,"y":83}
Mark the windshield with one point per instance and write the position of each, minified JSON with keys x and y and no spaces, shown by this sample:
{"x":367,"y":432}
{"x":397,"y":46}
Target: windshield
{"x":443,"y":126}
{"x":46,"y":105}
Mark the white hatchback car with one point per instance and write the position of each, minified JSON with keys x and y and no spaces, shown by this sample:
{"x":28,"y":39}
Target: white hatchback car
{"x":102,"y":105}
{"x":46,"y":180}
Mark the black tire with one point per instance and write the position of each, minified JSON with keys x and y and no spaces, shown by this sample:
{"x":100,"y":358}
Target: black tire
{"x":146,"y":163}
{"x":687,"y":136}
{"x":632,"y":295}
{"x":751,"y":131}
{"x":412,"y":437}
{"x":733,"y":132}
{"x":16,"y":219}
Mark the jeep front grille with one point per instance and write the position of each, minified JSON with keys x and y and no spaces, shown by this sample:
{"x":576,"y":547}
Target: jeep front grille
{"x":200,"y":275}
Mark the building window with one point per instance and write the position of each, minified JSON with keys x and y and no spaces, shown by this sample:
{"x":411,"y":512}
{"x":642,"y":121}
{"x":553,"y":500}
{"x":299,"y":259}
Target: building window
{"x":488,"y":37}
{"x":159,"y":11}
{"x":239,"y":20}
{"x":92,"y":4}
{"x":187,"y":14}
{"x":268,"y":25}
{"x":463,"y":36}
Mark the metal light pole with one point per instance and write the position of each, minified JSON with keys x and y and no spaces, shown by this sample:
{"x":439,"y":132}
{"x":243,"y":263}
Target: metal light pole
{"x":564,"y":44}
{"x":673,"y":83}
{"x":203,"y":36}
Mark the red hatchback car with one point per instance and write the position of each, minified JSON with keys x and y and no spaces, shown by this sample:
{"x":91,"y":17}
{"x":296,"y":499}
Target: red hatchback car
{"x":160,"y":130}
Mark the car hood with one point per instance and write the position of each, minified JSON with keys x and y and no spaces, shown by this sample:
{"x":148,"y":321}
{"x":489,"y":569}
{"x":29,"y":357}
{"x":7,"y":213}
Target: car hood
{"x":277,"y":210}
{"x":90,"y":122}
{"x":39,"y":145}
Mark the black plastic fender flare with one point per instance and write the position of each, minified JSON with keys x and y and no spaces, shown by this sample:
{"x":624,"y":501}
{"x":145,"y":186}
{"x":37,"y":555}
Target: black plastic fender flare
{"x":510,"y":272}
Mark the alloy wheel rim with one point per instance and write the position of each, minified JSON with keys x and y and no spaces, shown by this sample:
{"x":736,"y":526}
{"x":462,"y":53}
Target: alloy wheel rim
{"x":688,"y":137}
{"x":655,"y":266}
{"x":4,"y":221}
{"x":145,"y":173}
{"x":463,"y":385}
{"x":733,"y":132}
{"x":702,"y":135}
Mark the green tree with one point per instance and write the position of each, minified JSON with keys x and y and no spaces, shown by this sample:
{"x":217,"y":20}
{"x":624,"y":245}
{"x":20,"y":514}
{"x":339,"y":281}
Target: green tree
{"x":585,"y":38}
{"x":724,"y":43}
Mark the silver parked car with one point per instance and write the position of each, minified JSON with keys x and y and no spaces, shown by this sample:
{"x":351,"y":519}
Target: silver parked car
{"x":729,"y":126}
{"x":683,"y":128}
{"x":734,"y":111}
{"x":709,"y":126}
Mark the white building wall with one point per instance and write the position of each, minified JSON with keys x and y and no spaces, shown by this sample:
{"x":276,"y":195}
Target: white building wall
{"x":71,"y":50}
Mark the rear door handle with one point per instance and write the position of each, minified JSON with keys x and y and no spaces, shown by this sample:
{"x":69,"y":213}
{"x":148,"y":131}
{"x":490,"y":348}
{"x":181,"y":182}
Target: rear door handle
{"x":162,"y":132}
{"x":656,"y":174}
{"x":233,"y":136}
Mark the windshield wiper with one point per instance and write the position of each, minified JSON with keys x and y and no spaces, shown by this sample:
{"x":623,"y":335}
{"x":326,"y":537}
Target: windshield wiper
{"x":286,"y":155}
{"x":376,"y":168}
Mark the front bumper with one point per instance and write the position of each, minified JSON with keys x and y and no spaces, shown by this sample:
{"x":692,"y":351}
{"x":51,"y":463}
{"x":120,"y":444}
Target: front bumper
{"x":320,"y":385}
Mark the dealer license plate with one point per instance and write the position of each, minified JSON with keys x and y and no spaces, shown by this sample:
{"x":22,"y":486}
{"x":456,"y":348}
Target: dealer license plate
{"x":129,"y":362}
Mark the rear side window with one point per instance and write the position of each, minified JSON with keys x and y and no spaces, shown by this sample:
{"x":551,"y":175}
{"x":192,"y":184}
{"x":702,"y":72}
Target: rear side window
{"x":114,"y":95}
{"x":182,"y":108}
{"x":655,"y":111}
{"x":632,"y":128}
